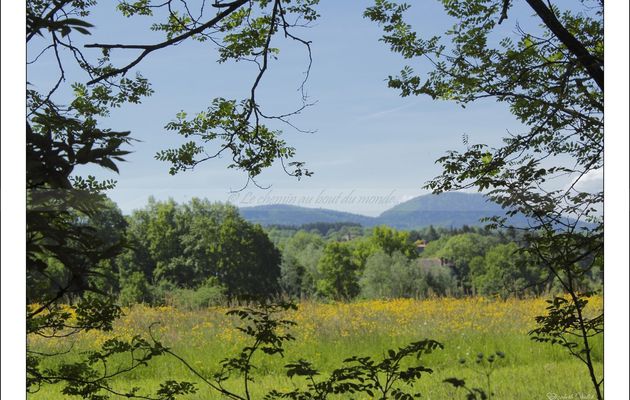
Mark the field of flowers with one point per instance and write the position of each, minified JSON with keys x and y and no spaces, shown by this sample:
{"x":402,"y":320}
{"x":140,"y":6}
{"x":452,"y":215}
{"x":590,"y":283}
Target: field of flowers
{"x":328,"y":333}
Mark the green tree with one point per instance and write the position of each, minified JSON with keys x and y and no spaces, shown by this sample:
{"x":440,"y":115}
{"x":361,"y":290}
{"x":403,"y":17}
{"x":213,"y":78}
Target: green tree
{"x":300,"y":256}
{"x":391,"y":240}
{"x":552,"y":80}
{"x":433,"y":248}
{"x":339,"y":272}
{"x":392,"y":276}
{"x":459,"y":251}
{"x":185,"y":245}
{"x":135,"y":289}
{"x":249,"y":264}
{"x":105,"y":225}
{"x":135,"y":264}
{"x":439,"y":280}
{"x":431,"y":234}
{"x":69,"y":238}
{"x":507,"y":271}
{"x":154,"y":234}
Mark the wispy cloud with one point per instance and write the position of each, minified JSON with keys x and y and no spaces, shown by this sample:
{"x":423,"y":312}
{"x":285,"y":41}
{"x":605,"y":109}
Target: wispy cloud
{"x":384,"y":113}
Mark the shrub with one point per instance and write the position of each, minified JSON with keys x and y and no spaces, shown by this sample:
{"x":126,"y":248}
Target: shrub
{"x":211,"y":293}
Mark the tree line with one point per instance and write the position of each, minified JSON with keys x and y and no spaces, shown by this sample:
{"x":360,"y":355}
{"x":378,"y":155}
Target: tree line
{"x":202,"y":253}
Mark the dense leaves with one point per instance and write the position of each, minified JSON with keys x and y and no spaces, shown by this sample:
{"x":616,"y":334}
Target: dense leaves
{"x":72,"y":231}
{"x":198,"y":245}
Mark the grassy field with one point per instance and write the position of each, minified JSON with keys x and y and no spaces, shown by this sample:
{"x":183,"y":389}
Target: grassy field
{"x":328,"y":333}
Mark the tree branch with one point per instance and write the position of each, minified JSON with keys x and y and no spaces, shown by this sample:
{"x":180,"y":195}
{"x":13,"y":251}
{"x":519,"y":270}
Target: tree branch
{"x":151,"y":48}
{"x":585,"y":58}
{"x":504,"y":10}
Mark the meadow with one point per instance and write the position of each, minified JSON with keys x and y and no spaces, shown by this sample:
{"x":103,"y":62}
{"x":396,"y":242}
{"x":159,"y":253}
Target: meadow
{"x":328,"y":333}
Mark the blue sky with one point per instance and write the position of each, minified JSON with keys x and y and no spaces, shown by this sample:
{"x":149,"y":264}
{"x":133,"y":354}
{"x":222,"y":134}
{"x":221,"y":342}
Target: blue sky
{"x":368,"y":139}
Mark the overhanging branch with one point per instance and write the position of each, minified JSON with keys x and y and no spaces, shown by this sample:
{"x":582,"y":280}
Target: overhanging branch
{"x":151,"y":48}
{"x":584,"y":57}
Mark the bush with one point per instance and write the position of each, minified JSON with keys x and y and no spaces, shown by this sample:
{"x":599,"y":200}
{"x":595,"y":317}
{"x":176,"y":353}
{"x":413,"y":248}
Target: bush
{"x":135,"y":289}
{"x":207,"y":295}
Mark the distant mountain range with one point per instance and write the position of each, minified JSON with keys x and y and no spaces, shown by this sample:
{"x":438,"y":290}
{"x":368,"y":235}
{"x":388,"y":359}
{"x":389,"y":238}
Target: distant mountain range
{"x":447,"y":210}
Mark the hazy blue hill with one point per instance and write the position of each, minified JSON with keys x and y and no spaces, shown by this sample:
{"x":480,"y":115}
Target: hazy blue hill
{"x":464,"y":202}
{"x":447,"y":209}
{"x":282,"y":214}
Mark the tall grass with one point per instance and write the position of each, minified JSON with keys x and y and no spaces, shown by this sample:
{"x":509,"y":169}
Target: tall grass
{"x":328,"y":333}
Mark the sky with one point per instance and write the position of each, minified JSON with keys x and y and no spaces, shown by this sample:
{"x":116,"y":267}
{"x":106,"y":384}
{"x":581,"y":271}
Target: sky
{"x":368,"y":142}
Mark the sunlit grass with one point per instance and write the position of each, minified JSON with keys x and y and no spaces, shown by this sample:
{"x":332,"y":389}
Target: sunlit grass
{"x":328,"y":333}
